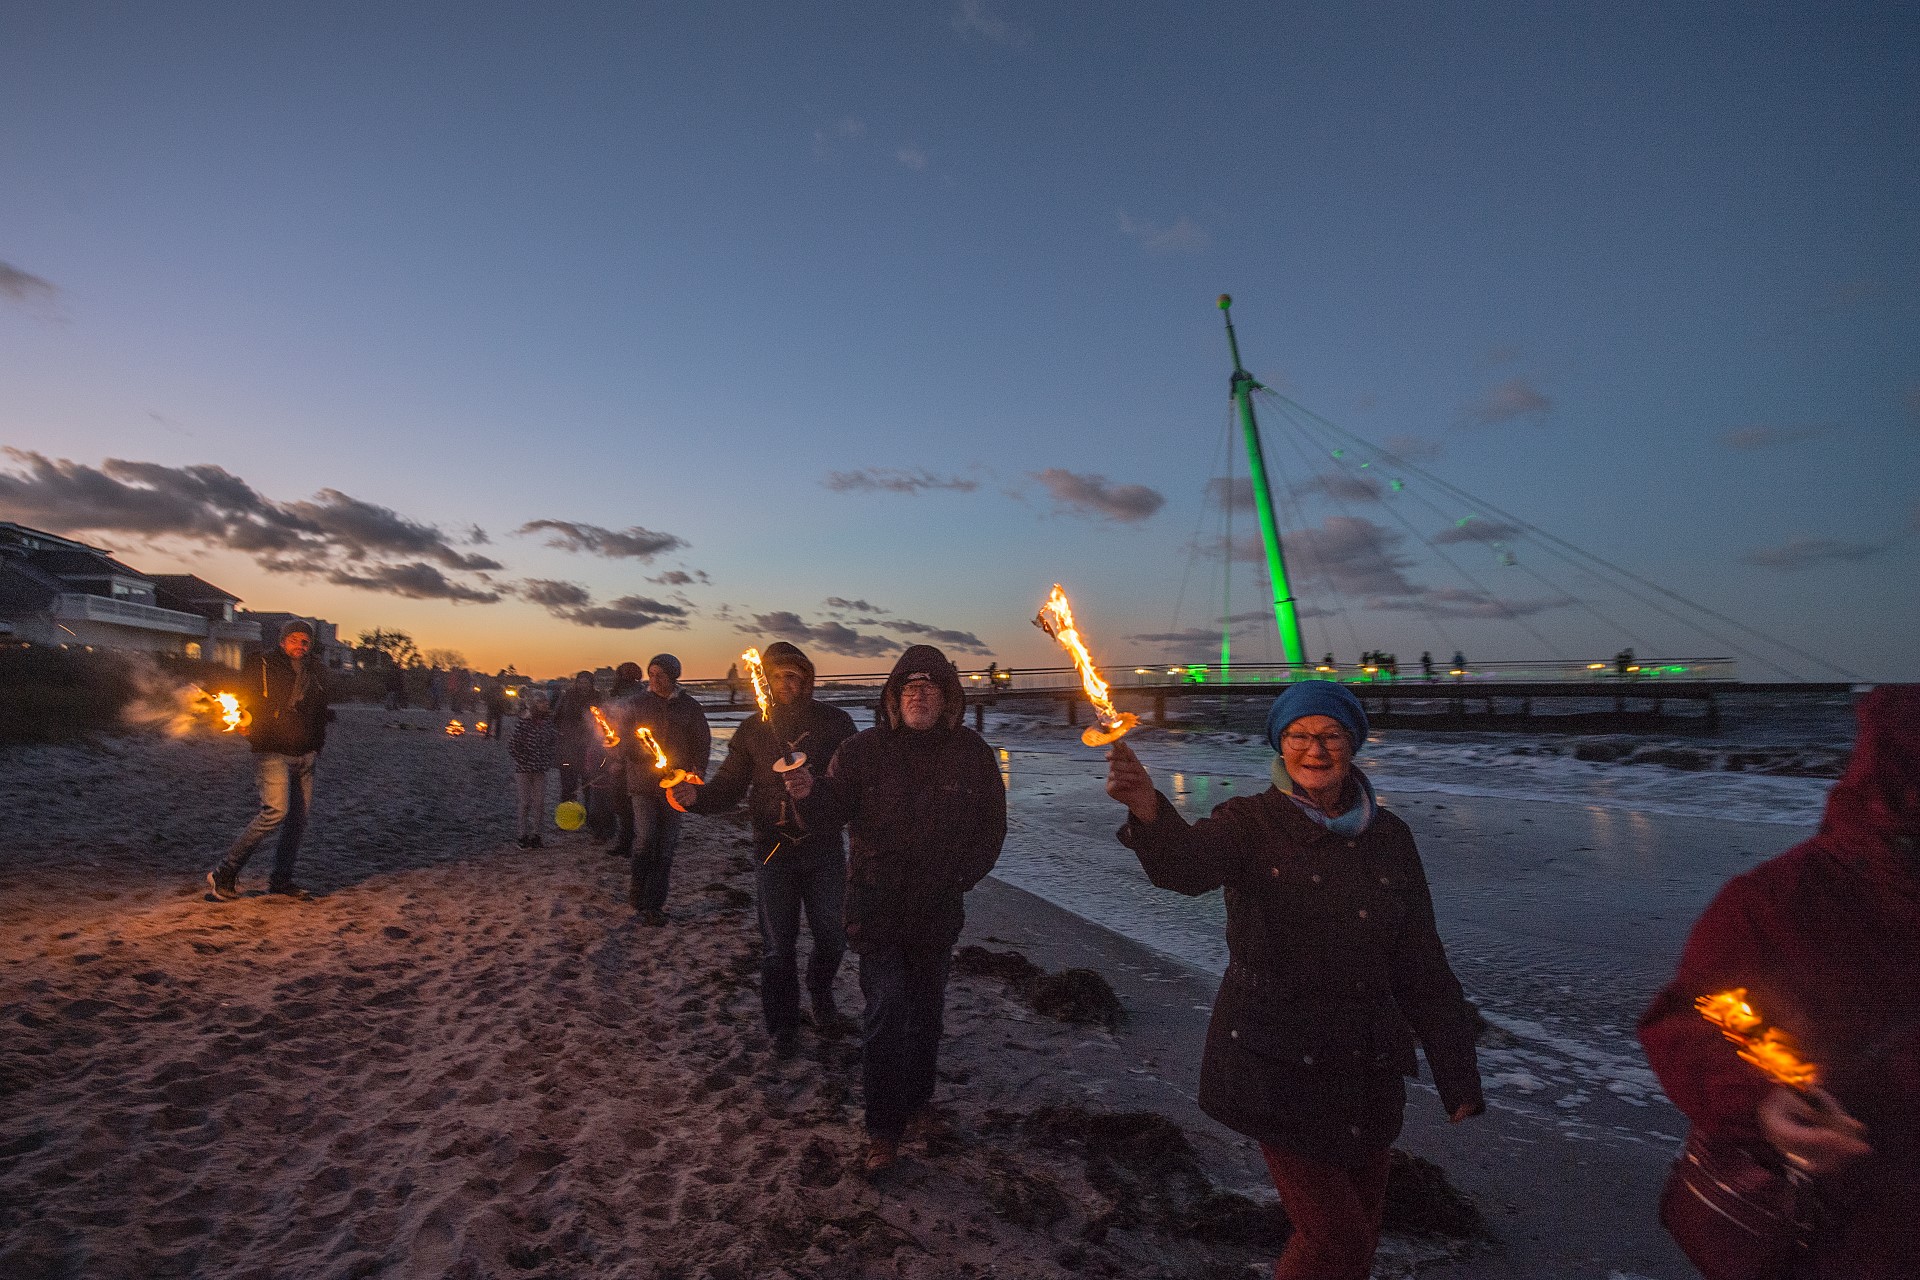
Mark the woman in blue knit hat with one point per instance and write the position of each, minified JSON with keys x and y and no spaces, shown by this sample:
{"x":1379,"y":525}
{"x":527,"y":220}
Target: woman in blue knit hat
{"x":1335,"y":970}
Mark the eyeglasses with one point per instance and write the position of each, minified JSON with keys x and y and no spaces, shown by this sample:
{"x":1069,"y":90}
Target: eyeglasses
{"x":1332,"y":743}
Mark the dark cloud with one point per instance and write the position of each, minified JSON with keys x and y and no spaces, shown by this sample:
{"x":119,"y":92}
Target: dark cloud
{"x":555,"y":595}
{"x":361,"y":529}
{"x":333,"y":535}
{"x":1414,"y":448}
{"x":571,"y":602}
{"x":894,"y":480}
{"x":1514,"y":398}
{"x":1096,"y":495}
{"x":965,"y":641}
{"x":852,"y":606}
{"x":1359,"y":557}
{"x":1341,"y":486}
{"x":1804,"y":553}
{"x":1235,"y":489}
{"x":1748,"y":439}
{"x":1188,"y":638}
{"x":1477,"y":529}
{"x":681,"y":578}
{"x":415,"y":581}
{"x":1458,"y":602}
{"x":22,"y":286}
{"x":633,"y":543}
{"x":827,"y":637}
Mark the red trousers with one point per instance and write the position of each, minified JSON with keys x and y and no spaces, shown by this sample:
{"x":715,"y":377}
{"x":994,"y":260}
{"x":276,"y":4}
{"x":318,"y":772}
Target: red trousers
{"x":1335,"y":1211}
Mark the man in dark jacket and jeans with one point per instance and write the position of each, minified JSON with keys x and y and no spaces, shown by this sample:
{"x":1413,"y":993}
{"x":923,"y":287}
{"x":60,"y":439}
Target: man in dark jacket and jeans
{"x":288,"y":691}
{"x":676,"y":721}
{"x":926,"y":813}
{"x":797,"y":865}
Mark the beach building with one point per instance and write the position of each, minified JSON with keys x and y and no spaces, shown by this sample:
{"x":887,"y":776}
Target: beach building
{"x":60,"y":592}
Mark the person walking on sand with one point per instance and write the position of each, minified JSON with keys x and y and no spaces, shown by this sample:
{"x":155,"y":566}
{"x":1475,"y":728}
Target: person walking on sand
{"x":288,"y":727}
{"x":796,"y":866}
{"x":1334,"y":969}
{"x":532,"y":750}
{"x":610,"y":807}
{"x":680,"y":727}
{"x":573,"y":732}
{"x":926,"y":813}
{"x":496,"y":695}
{"x":1824,"y":942}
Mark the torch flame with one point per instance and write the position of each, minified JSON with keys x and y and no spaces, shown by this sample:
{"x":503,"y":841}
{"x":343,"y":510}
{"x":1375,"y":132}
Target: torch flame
{"x":231,"y":716}
{"x":1771,"y":1050}
{"x":644,"y":739}
{"x":757,"y":673}
{"x":221,"y":708}
{"x":455,"y":728}
{"x":607,"y":734}
{"x":1056,"y":619}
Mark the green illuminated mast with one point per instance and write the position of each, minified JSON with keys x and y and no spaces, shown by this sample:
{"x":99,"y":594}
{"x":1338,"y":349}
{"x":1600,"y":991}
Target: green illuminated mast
{"x":1284,"y":614}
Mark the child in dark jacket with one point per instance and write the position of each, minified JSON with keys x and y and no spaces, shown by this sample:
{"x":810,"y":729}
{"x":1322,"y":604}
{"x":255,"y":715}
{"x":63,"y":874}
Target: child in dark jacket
{"x":532,"y":748}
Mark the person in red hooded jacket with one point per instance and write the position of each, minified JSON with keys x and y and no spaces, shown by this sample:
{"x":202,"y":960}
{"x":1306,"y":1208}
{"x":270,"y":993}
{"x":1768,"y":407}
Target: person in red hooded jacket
{"x":1826,"y":940}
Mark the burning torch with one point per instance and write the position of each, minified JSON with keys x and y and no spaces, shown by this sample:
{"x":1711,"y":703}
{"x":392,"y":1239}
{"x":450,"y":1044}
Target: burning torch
{"x":763,"y":698}
{"x":644,"y":739}
{"x":1768,"y":1048}
{"x":1056,"y":619}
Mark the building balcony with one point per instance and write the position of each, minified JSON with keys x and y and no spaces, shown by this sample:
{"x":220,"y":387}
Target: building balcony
{"x":78,"y":607}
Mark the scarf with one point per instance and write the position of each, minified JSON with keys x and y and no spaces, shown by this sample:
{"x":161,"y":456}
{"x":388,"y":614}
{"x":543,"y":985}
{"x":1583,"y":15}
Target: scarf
{"x":1356,"y":819}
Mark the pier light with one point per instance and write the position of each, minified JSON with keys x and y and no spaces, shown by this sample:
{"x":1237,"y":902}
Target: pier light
{"x":1631,"y":670}
{"x":1455,"y":671}
{"x":1596,"y":666}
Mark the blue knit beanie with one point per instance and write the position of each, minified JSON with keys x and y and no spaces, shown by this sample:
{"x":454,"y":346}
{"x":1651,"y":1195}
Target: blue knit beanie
{"x":668,"y":663}
{"x":1317,"y":698}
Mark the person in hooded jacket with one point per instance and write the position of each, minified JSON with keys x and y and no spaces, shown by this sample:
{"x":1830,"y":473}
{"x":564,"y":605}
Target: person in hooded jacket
{"x":286,"y":695}
{"x":926,"y":812}
{"x":798,"y":866}
{"x":1825,"y":938}
{"x":1334,"y":969}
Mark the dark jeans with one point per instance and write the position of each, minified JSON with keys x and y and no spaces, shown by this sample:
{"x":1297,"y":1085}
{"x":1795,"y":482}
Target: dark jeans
{"x":906,"y":991}
{"x":286,"y":792}
{"x":782,"y":886}
{"x":656,"y":834}
{"x":572,"y":772}
{"x":606,"y":801}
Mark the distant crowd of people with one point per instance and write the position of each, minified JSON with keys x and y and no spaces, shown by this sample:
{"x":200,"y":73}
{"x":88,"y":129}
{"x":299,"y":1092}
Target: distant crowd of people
{"x":1336,"y":967}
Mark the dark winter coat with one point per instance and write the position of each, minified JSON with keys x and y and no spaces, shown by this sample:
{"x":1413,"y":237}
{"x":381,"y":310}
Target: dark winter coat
{"x":1826,"y":940}
{"x":809,"y":726}
{"x":279,"y":723}
{"x":925,"y":814}
{"x":677,"y":724}
{"x":573,"y":720}
{"x":1335,"y":967}
{"x":534,"y":745}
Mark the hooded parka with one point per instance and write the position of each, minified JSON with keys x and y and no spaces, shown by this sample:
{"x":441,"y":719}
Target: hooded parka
{"x":925,"y":812}
{"x":812,"y":727}
{"x":1826,"y":940}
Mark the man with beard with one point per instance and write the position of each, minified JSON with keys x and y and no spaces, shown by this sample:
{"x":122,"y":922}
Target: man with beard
{"x":798,"y":866}
{"x":287,"y":690}
{"x":926,"y":813}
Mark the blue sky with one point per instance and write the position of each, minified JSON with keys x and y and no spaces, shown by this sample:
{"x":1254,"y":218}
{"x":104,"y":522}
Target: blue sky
{"x":911,"y":306}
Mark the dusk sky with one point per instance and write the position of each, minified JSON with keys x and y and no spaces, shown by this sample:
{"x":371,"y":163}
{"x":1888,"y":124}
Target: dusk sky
{"x":565,"y":334}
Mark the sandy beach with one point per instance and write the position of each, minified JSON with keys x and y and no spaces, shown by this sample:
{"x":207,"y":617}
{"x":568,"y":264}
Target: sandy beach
{"x":466,"y":1059}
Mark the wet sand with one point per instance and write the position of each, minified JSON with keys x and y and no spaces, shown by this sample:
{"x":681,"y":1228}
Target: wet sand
{"x":465,"y":1059}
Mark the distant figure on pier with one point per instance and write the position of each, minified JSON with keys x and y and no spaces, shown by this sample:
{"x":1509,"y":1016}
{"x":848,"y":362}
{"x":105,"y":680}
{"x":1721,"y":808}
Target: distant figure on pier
{"x":1459,"y":664}
{"x":1426,"y":665}
{"x":1623,"y":663}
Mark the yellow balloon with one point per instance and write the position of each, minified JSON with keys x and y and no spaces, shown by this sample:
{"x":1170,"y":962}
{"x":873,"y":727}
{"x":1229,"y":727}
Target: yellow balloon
{"x":569,"y":815}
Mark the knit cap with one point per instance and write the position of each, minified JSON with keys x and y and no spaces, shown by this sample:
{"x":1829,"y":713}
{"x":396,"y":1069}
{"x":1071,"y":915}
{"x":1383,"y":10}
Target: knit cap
{"x":1317,"y":698}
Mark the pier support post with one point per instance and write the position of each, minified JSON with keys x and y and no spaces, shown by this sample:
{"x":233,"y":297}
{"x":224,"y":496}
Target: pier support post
{"x":1159,"y":708}
{"x":1073,"y":710}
